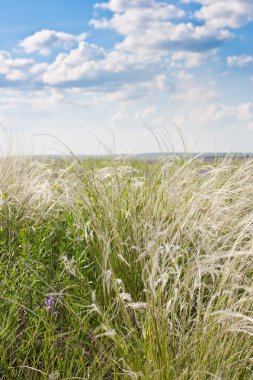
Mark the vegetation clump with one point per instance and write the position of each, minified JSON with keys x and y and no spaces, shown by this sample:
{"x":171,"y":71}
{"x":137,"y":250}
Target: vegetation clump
{"x":126,"y":270}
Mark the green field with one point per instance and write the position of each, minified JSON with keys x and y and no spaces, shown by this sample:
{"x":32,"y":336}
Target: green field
{"x":117,"y":269}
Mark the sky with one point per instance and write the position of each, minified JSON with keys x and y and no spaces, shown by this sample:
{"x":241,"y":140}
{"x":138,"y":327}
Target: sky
{"x":118,"y":75}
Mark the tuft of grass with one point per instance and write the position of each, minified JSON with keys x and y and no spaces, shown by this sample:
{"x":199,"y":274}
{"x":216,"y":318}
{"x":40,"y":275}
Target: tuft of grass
{"x":126,"y":270}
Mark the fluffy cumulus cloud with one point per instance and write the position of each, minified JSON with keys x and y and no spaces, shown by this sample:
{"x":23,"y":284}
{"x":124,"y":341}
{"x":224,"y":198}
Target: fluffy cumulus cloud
{"x":78,"y":63}
{"x":155,"y":27}
{"x":154,"y":35}
{"x":220,"y":14}
{"x":90,"y":66}
{"x":45,"y":41}
{"x":120,"y":76}
{"x":160,"y":9}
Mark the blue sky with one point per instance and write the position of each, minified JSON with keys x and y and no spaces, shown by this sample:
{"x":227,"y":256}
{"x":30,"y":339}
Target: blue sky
{"x":102,"y":73}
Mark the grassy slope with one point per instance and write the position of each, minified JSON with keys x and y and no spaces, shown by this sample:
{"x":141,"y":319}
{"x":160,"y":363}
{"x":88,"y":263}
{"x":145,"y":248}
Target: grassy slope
{"x":148,"y":268}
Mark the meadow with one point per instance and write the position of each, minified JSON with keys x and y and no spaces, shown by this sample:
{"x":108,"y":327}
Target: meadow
{"x":121,"y":269}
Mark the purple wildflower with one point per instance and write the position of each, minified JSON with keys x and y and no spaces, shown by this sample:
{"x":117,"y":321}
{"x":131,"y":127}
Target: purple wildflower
{"x":49,"y":301}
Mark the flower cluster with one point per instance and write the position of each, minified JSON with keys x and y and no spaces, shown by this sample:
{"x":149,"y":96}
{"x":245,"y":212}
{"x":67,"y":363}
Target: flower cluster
{"x":50,"y":302}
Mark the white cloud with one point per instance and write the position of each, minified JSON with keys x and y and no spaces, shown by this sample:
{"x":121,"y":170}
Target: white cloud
{"x":225,"y":73}
{"x":160,"y":39}
{"x":239,"y":60}
{"x":186,"y":59}
{"x":245,"y":111}
{"x":126,"y":117}
{"x":148,"y":29}
{"x":215,"y":114}
{"x":183,"y":75}
{"x":44,"y":41}
{"x":125,"y":93}
{"x":161,"y":82}
{"x":135,"y":90}
{"x":225,"y":14}
{"x":88,"y":65}
{"x":77,"y":64}
{"x":146,"y":113}
{"x":14,"y":68}
{"x":38,"y":69}
{"x":150,"y":8}
{"x":196,"y":94}
{"x":151,"y":41}
{"x":45,"y":99}
{"x":119,"y":116}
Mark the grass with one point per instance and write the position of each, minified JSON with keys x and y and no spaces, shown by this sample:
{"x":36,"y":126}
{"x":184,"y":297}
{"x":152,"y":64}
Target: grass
{"x":126,"y":270}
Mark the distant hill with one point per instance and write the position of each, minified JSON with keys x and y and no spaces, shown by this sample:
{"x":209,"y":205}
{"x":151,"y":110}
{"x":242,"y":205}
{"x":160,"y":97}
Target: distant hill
{"x":209,"y":156}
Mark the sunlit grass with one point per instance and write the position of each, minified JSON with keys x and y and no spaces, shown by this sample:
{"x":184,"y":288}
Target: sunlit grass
{"x":126,"y":270}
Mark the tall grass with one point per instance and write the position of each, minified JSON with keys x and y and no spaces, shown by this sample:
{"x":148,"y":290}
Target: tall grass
{"x":126,"y":270}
